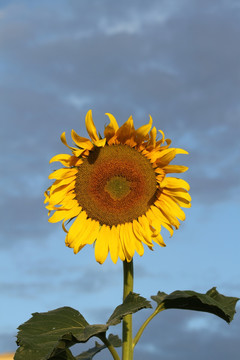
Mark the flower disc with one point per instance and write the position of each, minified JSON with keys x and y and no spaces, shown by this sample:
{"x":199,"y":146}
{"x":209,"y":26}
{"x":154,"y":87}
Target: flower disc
{"x":115,"y":184}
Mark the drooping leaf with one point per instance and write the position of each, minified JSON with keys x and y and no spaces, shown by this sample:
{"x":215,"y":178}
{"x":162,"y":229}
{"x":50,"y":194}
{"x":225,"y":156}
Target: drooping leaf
{"x":23,"y":353}
{"x":89,"y":354}
{"x":212,"y":302}
{"x":133,"y":303}
{"x":48,"y":334}
{"x":115,"y":340}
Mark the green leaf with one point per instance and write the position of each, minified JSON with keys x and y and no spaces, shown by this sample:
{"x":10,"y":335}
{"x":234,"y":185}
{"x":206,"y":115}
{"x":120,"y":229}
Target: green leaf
{"x":88,"y":355}
{"x":132,"y":303}
{"x":115,"y":340}
{"x":63,"y":355}
{"x":28,"y":354}
{"x":211,"y":302}
{"x":49,"y":334}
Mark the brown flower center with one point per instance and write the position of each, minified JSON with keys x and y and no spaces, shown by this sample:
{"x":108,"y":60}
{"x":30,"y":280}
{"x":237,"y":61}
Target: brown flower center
{"x":115,"y":184}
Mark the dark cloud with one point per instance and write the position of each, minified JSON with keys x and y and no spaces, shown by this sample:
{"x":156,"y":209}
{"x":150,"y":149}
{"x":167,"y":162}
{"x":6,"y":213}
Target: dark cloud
{"x":182,"y":68}
{"x":23,"y":218}
{"x":54,"y":278}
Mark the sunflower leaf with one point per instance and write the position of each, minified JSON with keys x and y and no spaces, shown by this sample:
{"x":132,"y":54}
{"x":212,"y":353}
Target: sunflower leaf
{"x":212,"y":302}
{"x":28,"y":354}
{"x":133,"y":303}
{"x":47,"y":336}
{"x":63,"y":355}
{"x":89,"y":354}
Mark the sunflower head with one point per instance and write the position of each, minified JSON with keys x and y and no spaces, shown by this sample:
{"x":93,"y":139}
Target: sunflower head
{"x":115,"y":191}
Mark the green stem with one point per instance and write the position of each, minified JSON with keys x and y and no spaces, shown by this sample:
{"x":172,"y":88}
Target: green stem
{"x":110,"y":347}
{"x":127,"y":346}
{"x":142,"y":328}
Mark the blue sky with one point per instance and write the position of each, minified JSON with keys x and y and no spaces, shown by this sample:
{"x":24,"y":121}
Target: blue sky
{"x":177,"y":60}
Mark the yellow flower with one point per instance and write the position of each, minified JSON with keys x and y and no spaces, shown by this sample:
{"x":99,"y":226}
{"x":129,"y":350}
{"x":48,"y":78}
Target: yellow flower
{"x":116,"y":190}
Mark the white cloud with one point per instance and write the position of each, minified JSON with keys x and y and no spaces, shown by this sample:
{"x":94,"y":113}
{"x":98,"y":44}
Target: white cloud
{"x":77,"y":101}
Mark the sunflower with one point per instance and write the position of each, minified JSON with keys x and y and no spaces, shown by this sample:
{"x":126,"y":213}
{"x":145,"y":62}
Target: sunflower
{"x":115,"y":192}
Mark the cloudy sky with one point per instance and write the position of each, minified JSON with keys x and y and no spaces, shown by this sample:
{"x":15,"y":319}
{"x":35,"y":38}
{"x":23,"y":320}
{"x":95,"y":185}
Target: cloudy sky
{"x":178,"y":60}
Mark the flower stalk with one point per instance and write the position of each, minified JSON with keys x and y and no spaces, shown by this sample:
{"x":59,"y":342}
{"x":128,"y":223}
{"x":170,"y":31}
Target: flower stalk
{"x":127,"y":344}
{"x":110,"y":347}
{"x":146,"y":322}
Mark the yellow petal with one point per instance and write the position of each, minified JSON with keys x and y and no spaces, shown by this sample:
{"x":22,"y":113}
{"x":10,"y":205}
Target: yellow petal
{"x":165,"y":157}
{"x":46,"y":194}
{"x":121,"y":253}
{"x":154,"y":232}
{"x":180,"y":196}
{"x":66,"y":160}
{"x":156,"y":218}
{"x":170,"y":205}
{"x":65,"y":214}
{"x":69,"y":202}
{"x":111,"y":128}
{"x":175,"y":169}
{"x":64,"y":141}
{"x":182,"y":202}
{"x":168,"y":143}
{"x":101,"y":245}
{"x":76,"y":228}
{"x":168,"y":211}
{"x":153,"y":135}
{"x":65,"y":188}
{"x":139,"y":247}
{"x":78,"y":152}
{"x":81,"y":141}
{"x":64,"y":228}
{"x":61,"y":182}
{"x":165,"y":221}
{"x":69,"y":199}
{"x":171,"y":182}
{"x":61,"y":158}
{"x":114,"y":243}
{"x":92,"y":131}
{"x":62,"y":173}
{"x":126,"y":131}
{"x":179,"y":193}
{"x":142,"y":133}
{"x":89,"y":235}
{"x":91,"y":128}
{"x":100,"y":142}
{"x":146,"y":233}
{"x":78,"y":246}
{"x":159,"y":240}
{"x":162,"y":157}
{"x":181,"y":151}
{"x":57,"y":196}
{"x":127,"y":241}
{"x":160,"y":142}
{"x":140,"y":234}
